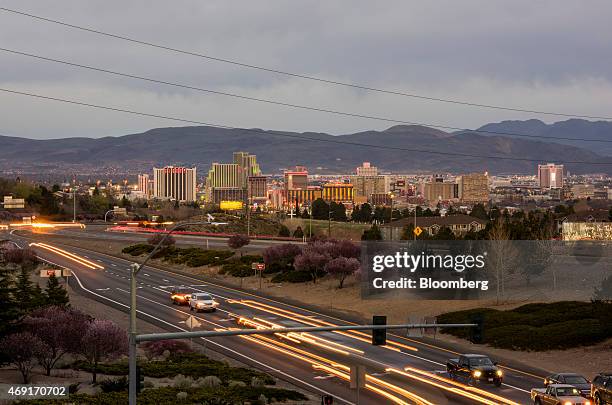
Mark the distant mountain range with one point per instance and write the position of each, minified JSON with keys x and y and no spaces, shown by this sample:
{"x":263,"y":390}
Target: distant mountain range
{"x":573,"y":128}
{"x":400,"y":149}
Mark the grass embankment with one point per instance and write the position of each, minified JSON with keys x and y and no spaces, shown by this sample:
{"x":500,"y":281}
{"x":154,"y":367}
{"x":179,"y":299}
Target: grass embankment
{"x":539,"y":327}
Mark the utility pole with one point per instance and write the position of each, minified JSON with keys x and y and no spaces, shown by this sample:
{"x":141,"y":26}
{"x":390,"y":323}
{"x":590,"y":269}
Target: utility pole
{"x":415,"y":225}
{"x":134,"y":269}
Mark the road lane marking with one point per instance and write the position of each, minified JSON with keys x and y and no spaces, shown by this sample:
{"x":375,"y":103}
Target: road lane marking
{"x":312,"y":312}
{"x":216,"y":344}
{"x":102,"y":289}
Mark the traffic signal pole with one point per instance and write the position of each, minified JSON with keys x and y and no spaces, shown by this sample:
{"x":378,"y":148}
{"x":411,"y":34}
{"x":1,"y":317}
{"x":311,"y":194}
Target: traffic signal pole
{"x":132,"y":338}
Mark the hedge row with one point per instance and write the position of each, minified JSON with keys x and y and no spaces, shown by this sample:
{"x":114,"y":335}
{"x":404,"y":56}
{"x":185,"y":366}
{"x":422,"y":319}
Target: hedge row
{"x":539,"y":327}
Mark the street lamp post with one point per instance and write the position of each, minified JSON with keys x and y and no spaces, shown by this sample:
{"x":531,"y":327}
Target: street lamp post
{"x":74,"y":205}
{"x":135,"y":268}
{"x":107,"y":212}
{"x":329,"y":220}
{"x":391,"y":195}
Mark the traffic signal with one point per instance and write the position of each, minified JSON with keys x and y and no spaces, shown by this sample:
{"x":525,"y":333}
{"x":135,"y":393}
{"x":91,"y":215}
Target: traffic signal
{"x":379,"y":336}
{"x":327,"y":400}
{"x":477,"y":332}
{"x":139,"y":379}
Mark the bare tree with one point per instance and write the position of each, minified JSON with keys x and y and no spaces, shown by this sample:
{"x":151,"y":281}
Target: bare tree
{"x":502,"y":257}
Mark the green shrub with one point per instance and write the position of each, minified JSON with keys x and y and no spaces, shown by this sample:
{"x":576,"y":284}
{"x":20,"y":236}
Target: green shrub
{"x":138,"y":249}
{"x":114,"y":384}
{"x":248,"y":259}
{"x":198,"y":365}
{"x":539,"y":327}
{"x":292,"y":277}
{"x":237,"y":269}
{"x":118,"y":368}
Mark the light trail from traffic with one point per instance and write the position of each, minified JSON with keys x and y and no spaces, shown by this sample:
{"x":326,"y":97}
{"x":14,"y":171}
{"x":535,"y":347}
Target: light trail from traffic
{"x":67,"y":255}
{"x":473,"y":393}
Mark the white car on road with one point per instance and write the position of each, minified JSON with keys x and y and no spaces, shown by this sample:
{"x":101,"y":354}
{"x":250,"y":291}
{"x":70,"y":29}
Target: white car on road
{"x":202,"y":302}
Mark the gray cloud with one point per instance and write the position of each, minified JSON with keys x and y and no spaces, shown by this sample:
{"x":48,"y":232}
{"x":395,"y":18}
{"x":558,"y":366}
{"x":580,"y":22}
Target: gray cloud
{"x":547,"y":55}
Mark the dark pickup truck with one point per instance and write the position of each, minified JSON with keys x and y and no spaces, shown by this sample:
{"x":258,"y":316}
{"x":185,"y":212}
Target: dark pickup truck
{"x":601,"y":389}
{"x":475,"y":368}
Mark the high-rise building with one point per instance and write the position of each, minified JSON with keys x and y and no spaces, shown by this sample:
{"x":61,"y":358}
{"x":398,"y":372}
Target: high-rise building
{"x":438,"y":190}
{"x":474,"y":188}
{"x":550,"y":176}
{"x":247,"y":166}
{"x":257,"y":188}
{"x":296,"y":179}
{"x":367,"y":170}
{"x":368,"y":182}
{"x":143,"y":184}
{"x":230,"y":181}
{"x":176,"y":183}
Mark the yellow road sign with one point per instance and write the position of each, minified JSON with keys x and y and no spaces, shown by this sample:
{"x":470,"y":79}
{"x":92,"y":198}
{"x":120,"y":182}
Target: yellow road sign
{"x":417,"y":231}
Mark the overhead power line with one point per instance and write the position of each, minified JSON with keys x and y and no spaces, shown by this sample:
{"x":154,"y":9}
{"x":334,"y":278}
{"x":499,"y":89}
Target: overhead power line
{"x":288,"y":135}
{"x":299,"y":75}
{"x":296,"y":106}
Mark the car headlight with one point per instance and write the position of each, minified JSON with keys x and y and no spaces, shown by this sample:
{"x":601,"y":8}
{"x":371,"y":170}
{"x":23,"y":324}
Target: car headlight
{"x":499,"y":373}
{"x":477,"y":373}
{"x":568,"y":403}
{"x":587,"y":403}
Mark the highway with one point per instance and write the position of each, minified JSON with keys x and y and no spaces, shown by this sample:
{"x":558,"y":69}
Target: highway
{"x":405,"y":371}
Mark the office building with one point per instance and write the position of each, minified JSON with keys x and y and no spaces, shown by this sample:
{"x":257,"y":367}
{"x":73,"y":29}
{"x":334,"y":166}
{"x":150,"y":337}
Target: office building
{"x":550,"y":176}
{"x":257,"y":189}
{"x":226,"y":181}
{"x":438,"y":190}
{"x":338,"y":192}
{"x":366,"y":169}
{"x":302,"y":197}
{"x":367,"y":182}
{"x":143,"y":184}
{"x":296,"y":179}
{"x":174,"y":183}
{"x":474,"y":188}
{"x":583,"y":191}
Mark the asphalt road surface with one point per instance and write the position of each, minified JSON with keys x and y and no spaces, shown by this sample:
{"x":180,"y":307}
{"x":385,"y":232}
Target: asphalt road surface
{"x":406,"y":371}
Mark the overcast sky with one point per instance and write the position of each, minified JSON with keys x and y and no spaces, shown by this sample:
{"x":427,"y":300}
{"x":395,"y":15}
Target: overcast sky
{"x":547,"y":55}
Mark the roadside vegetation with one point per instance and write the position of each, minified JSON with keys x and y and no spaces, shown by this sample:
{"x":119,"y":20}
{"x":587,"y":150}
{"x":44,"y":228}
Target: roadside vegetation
{"x":285,"y":262}
{"x":539,"y":327}
{"x":175,"y":373}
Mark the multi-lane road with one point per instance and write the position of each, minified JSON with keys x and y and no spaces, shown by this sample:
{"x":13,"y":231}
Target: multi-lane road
{"x":406,"y":371}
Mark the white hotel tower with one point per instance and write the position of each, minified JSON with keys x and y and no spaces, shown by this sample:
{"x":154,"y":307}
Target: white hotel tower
{"x":176,"y":183}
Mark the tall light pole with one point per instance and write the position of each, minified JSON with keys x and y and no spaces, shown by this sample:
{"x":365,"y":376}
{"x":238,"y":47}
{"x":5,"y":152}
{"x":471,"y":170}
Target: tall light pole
{"x":74,"y":204}
{"x":415,"y":225}
{"x":135,"y":268}
{"x":329,"y":220}
{"x":391,"y":196}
